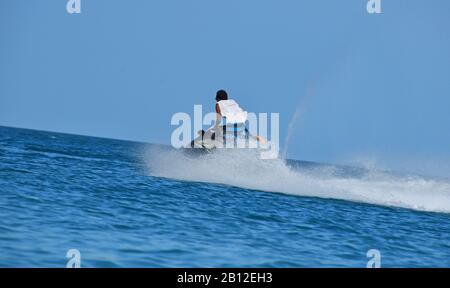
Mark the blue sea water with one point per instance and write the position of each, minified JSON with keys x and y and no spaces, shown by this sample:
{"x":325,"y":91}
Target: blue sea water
{"x":127,"y":204}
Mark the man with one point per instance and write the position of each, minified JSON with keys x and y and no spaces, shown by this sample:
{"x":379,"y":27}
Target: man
{"x":229,"y":127}
{"x":230,"y":120}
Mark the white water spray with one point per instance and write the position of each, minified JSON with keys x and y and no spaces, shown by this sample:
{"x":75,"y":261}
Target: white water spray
{"x":299,"y":110}
{"x":243,"y":168}
{"x":290,"y":130}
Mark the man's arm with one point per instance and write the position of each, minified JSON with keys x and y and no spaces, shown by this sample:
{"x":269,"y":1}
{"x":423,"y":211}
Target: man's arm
{"x":218,"y":116}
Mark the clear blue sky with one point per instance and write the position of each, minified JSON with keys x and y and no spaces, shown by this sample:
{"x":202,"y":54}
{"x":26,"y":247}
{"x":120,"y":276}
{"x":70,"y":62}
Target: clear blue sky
{"x":367,"y":84}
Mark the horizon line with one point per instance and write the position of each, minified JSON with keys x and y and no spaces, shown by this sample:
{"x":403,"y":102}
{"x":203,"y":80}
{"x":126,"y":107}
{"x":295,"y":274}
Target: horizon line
{"x":81,"y":135}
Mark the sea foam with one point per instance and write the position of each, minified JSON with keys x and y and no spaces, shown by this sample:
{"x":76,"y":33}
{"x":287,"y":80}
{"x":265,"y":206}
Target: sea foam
{"x":245,"y":169}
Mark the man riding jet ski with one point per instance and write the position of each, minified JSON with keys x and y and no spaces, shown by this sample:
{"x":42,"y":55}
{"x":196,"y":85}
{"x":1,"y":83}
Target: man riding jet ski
{"x":229,"y":130}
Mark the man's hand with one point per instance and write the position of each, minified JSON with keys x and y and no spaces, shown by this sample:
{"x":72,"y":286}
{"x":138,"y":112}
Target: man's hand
{"x":261,"y":139}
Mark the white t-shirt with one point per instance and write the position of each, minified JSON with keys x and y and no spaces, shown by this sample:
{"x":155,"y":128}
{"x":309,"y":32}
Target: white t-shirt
{"x":232,"y":112}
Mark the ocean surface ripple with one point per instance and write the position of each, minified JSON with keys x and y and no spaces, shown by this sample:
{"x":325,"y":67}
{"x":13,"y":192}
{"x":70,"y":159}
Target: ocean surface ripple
{"x":128,"y":204}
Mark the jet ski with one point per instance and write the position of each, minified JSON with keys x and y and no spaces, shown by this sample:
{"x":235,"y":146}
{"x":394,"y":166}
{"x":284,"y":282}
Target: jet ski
{"x":206,"y":143}
{"x":203,"y":143}
{"x":233,"y":133}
